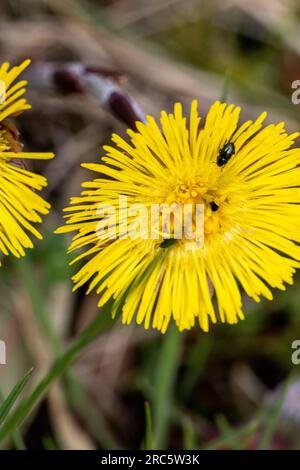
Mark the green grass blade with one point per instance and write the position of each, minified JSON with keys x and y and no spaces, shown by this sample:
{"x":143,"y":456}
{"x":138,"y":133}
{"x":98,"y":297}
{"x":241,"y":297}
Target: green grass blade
{"x":49,"y":443}
{"x":35,"y":294}
{"x":89,"y":415}
{"x":196,"y":363}
{"x":148,"y":433}
{"x":18,"y":441}
{"x":164,"y":384}
{"x":17,"y":436}
{"x":9,"y":402}
{"x":74,"y":391}
{"x":236,"y":435}
{"x":226,"y":431}
{"x":273,"y":418}
{"x":189,"y":435}
{"x":225,"y":88}
{"x":60,"y":366}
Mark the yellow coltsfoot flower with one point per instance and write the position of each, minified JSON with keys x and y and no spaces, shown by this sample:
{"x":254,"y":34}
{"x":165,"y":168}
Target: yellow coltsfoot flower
{"x":247,"y":181}
{"x":20,"y":205}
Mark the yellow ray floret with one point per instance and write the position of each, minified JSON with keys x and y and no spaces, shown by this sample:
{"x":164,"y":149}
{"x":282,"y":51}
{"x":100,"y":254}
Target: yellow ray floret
{"x":20,"y":205}
{"x":251,"y":218}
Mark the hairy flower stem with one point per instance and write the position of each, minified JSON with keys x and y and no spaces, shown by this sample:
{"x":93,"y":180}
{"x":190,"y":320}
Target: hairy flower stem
{"x":98,"y":82}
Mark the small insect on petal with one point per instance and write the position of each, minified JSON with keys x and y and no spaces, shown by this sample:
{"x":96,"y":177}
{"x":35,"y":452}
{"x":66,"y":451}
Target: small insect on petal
{"x":214,"y":207}
{"x":167,"y":243}
{"x":225,"y":154}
